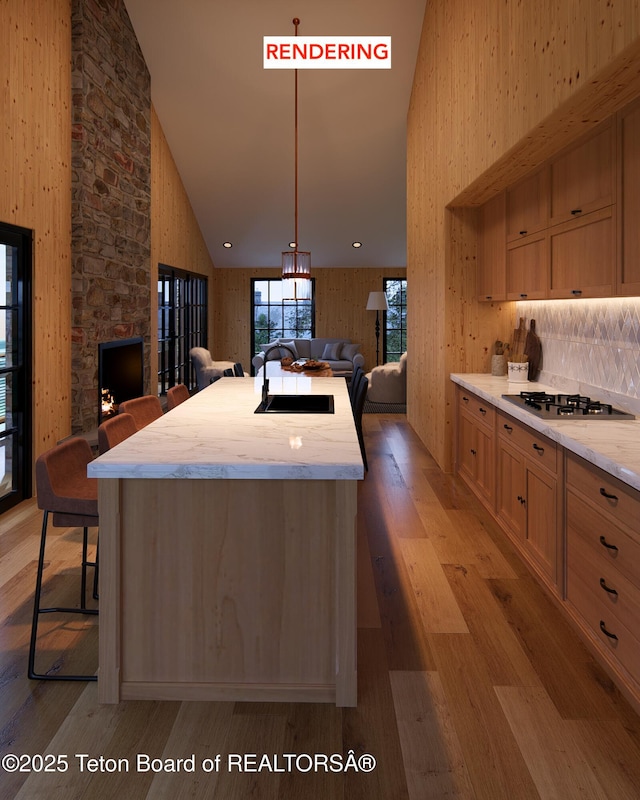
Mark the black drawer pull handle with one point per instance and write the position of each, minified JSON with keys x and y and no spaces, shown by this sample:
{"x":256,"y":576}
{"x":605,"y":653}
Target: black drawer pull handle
{"x":606,"y":544}
{"x":576,"y":211}
{"x":488,"y":296}
{"x":523,"y":233}
{"x":473,"y":452}
{"x":507,"y":427}
{"x":606,"y":588}
{"x":482,"y":410}
{"x":466,"y":399}
{"x":524,"y":295}
{"x":604,"y":493}
{"x":538,"y":449}
{"x":576,"y":291}
{"x":606,"y":632}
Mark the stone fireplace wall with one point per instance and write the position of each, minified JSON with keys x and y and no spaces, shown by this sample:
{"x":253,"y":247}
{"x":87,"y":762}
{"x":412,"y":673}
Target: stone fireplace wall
{"x":111,"y":194}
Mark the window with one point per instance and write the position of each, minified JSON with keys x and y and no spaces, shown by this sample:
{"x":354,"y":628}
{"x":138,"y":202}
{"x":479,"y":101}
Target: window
{"x":275,"y":318}
{"x":15,"y":365}
{"x":395,"y":323}
{"x":182,"y":324}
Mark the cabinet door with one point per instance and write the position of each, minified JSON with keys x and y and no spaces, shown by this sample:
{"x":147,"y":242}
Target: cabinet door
{"x":510,"y":490}
{"x":466,"y":445}
{"x":629,"y":262}
{"x":583,"y":177}
{"x":492,"y":250}
{"x":583,"y":259}
{"x":541,"y":530}
{"x":528,"y":206}
{"x":485,"y":464}
{"x":528,"y":268}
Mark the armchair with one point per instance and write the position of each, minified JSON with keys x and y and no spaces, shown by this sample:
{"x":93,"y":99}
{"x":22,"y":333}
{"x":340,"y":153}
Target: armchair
{"x":388,"y":382}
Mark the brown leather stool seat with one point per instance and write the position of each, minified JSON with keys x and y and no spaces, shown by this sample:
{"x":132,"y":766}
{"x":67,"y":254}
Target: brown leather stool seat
{"x":143,"y":409}
{"x":115,"y":430}
{"x":176,"y":395}
{"x":65,"y":491}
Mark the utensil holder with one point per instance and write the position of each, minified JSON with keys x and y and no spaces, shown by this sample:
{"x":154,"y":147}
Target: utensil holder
{"x":518,"y":371}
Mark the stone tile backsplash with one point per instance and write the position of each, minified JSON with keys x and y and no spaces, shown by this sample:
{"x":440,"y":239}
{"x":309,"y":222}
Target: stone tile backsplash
{"x":591,"y":346}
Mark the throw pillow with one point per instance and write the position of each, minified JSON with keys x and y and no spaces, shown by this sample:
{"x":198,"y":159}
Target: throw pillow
{"x":273,"y":355}
{"x":349,"y":351}
{"x":332,"y":351}
{"x":285,"y":353}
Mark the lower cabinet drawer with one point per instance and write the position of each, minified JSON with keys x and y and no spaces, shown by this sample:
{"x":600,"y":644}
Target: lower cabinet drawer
{"x":540,"y":449}
{"x":478,"y":408}
{"x":617,"y":597}
{"x":611,"y":633}
{"x":609,"y":542}
{"x":604,"y":491}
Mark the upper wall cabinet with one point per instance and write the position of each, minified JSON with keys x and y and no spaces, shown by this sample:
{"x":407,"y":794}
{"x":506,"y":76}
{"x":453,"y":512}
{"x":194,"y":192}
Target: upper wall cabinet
{"x":582,"y":178}
{"x":629,"y":202}
{"x":491,"y":250}
{"x":583,"y":256}
{"x":528,"y":206}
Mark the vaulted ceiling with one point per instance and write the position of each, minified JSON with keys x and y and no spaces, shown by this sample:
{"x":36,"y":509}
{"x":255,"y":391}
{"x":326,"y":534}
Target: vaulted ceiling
{"x":230,"y":126}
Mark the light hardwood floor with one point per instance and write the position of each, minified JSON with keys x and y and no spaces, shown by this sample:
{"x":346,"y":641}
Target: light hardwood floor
{"x":471,"y":684}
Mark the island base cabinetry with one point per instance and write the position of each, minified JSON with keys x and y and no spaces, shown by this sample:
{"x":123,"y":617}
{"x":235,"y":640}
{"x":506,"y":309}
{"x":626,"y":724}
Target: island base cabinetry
{"x":603,"y":567}
{"x":228,"y":590}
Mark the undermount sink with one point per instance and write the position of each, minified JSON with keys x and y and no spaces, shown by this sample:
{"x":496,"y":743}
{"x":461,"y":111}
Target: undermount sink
{"x":297,"y":404}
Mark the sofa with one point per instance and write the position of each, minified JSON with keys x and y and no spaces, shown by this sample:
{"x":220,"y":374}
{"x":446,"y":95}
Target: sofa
{"x":388,"y":382}
{"x":341,"y":354}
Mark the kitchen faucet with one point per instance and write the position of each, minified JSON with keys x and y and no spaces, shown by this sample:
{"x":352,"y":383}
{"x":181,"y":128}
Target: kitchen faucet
{"x":265,"y":384}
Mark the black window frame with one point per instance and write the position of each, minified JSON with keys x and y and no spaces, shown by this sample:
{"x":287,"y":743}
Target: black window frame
{"x":20,"y":368}
{"x":274,"y":332}
{"x":183,"y":299}
{"x":402,"y":328}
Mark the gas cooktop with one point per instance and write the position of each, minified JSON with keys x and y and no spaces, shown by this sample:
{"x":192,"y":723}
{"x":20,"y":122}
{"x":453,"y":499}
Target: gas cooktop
{"x":565,"y":406}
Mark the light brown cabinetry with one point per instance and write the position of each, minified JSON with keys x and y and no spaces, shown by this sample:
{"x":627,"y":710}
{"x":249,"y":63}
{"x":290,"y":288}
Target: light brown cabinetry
{"x":528,"y":206}
{"x":582,"y":177}
{"x":475,"y":455}
{"x":492,"y":250}
{"x":528,"y":268}
{"x":603,"y":565}
{"x":583,"y":256}
{"x":628,"y":281}
{"x":527,"y":495}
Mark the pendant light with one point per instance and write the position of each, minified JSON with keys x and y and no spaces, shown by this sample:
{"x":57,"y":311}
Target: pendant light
{"x":296,"y":264}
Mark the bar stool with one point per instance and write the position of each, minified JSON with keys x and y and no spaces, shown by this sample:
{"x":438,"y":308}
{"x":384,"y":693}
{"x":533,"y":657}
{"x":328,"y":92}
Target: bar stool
{"x":143,"y":409}
{"x":115,"y":430}
{"x":65,"y":491}
{"x":176,"y":395}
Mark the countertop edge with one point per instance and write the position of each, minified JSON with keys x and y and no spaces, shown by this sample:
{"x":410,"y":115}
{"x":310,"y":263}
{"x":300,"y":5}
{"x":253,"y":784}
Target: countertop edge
{"x":556,"y":431}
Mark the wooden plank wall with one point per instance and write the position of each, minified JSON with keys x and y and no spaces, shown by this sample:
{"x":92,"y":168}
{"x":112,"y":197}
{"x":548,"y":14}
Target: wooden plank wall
{"x":35,"y":188}
{"x":341,"y":299}
{"x":498,"y":88}
{"x":176,"y":239}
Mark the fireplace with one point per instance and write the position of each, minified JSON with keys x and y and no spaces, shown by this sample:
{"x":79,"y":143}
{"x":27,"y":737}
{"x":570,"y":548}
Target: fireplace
{"x":120,"y":374}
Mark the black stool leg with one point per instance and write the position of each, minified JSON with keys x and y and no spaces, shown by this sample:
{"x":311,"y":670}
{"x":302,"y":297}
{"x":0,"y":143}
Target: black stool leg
{"x":37,"y":611}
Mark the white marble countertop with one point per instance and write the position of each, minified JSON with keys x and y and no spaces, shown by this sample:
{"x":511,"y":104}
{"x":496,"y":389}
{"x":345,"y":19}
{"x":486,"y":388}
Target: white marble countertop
{"x":215,"y":434}
{"x":614,"y":446}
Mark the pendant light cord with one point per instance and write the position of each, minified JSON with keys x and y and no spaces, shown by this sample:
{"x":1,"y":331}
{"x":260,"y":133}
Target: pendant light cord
{"x":296,"y":22}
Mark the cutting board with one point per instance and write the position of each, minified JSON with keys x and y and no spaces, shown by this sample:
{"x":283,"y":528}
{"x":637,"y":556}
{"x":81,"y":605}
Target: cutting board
{"x":519,"y":338}
{"x":533,"y":349}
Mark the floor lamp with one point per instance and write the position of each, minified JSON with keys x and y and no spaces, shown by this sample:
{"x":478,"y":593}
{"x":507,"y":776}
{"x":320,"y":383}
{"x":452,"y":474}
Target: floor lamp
{"x":377,"y":302}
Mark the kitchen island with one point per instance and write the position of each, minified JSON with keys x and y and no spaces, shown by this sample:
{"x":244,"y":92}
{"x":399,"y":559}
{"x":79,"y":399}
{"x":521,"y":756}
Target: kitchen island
{"x":227,"y":551}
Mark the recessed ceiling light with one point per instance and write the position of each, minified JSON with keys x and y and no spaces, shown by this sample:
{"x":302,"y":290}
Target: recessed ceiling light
{"x":356,"y":244}
{"x":227,"y":245}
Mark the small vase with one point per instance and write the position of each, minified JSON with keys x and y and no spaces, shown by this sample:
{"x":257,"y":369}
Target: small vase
{"x":498,"y":365}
